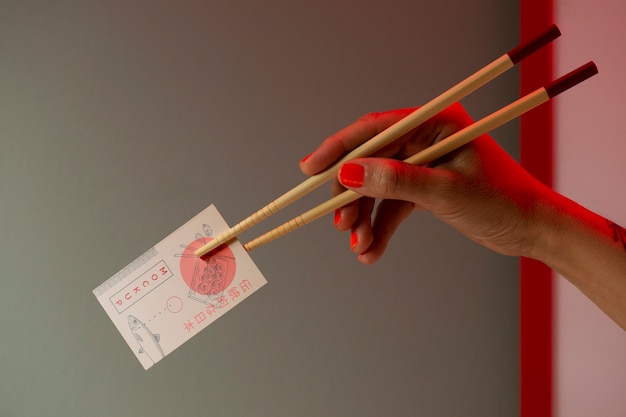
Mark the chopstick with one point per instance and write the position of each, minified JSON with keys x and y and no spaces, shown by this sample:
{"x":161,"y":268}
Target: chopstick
{"x":439,"y":149}
{"x":425,"y":112}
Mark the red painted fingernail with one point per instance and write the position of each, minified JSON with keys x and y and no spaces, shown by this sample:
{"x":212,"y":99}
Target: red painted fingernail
{"x":337,"y":216}
{"x":305,"y":158}
{"x":354,"y":239}
{"x":351,"y":175}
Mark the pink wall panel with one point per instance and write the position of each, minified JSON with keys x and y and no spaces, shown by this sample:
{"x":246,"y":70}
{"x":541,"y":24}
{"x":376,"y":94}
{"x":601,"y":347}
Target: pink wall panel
{"x":589,"y":141}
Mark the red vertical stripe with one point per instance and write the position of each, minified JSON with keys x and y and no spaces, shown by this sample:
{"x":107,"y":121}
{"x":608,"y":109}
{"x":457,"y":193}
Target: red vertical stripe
{"x":535,"y":277}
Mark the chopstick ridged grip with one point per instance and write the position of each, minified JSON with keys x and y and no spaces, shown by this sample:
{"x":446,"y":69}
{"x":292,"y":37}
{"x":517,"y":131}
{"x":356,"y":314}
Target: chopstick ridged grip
{"x":241,"y":227}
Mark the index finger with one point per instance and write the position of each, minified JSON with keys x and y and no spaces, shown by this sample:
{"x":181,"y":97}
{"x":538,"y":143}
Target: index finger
{"x":350,"y":137}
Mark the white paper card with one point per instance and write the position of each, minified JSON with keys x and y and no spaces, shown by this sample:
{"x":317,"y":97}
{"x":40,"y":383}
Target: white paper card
{"x":167,"y":295}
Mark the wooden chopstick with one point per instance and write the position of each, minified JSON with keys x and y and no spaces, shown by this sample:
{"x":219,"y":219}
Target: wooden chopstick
{"x":444,"y":100}
{"x":439,"y":149}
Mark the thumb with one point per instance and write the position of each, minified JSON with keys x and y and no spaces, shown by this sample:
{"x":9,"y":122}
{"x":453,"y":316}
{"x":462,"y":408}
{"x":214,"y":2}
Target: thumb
{"x":396,"y":180}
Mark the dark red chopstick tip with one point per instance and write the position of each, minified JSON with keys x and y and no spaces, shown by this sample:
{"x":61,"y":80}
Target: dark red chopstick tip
{"x":523,"y":50}
{"x":572,"y":78}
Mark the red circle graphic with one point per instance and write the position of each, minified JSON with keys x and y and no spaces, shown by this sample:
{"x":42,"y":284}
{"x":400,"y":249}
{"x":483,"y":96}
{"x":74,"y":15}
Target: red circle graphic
{"x":207,"y":276}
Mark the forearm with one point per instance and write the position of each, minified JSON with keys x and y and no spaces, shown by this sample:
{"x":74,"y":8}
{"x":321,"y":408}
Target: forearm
{"x":589,"y":251}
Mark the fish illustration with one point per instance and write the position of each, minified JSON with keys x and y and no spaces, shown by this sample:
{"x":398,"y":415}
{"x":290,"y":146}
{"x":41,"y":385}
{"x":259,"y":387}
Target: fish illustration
{"x":148,"y":342}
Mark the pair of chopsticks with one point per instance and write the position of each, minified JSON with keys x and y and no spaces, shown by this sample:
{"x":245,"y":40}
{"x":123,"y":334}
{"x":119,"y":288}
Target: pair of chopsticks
{"x":460,"y":138}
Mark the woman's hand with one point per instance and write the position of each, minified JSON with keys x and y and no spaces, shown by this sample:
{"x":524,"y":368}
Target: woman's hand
{"x":478,"y":189}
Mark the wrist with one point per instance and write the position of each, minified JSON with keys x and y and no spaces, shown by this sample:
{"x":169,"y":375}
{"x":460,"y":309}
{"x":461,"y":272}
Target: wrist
{"x":566,"y":233}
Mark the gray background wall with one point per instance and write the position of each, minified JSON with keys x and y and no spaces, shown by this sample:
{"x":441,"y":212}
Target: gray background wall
{"x":121,"y":120}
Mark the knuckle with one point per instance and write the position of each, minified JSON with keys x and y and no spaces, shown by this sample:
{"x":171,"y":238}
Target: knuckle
{"x":391,"y":178}
{"x":369,"y":117}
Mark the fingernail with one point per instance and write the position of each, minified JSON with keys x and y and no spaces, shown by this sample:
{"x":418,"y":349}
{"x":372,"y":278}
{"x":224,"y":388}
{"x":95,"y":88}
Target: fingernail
{"x":354,"y":239}
{"x":337,"y":216}
{"x":305,"y":158}
{"x":351,"y":174}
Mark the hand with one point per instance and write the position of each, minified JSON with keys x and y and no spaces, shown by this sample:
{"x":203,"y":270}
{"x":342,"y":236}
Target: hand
{"x":478,"y":189}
